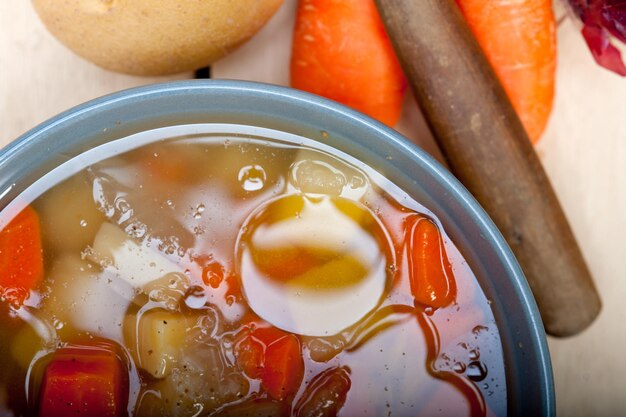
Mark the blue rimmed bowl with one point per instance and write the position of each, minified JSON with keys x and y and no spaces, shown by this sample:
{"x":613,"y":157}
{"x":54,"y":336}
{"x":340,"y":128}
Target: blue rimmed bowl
{"x":530,"y":390}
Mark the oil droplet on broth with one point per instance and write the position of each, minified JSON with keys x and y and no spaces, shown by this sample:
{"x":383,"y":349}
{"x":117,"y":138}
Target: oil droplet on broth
{"x":313,"y":266}
{"x":317,"y":177}
{"x":252,"y":177}
{"x":213,"y":274}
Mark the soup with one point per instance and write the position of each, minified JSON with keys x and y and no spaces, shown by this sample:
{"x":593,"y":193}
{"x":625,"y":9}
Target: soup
{"x":211,"y":274}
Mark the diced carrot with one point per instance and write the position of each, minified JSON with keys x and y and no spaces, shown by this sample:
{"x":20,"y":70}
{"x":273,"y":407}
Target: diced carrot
{"x":284,"y":368}
{"x":519,"y":39}
{"x":21,"y":257}
{"x":430,"y":272}
{"x":274,"y":357}
{"x":85,"y":380}
{"x":269,"y":334}
{"x":341,"y":51}
{"x":250,"y":349}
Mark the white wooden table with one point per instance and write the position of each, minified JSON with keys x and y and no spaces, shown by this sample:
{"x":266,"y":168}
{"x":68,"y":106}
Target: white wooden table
{"x":583,"y":150}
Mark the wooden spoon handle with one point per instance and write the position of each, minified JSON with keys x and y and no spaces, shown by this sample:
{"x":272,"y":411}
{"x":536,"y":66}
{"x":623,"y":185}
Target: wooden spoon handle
{"x":488,"y":150}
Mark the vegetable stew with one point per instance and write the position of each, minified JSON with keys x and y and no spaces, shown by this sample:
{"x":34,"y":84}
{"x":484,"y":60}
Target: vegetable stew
{"x":231,"y":275}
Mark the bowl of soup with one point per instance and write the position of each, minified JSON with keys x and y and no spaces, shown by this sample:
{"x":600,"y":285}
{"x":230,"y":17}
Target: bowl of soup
{"x":225,"y":248}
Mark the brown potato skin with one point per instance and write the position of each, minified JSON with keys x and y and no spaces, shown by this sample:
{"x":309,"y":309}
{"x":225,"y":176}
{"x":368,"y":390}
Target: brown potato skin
{"x":154,"y":37}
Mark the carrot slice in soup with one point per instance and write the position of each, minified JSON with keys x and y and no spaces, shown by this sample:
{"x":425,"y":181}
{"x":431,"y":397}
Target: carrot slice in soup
{"x":430,"y":272}
{"x":86,"y":380}
{"x":21,"y":257}
{"x":284,"y":368}
{"x":274,"y":357}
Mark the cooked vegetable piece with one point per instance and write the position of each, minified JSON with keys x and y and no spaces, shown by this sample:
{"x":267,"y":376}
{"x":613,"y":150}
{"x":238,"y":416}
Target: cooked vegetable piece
{"x":257,"y":407}
{"x":69,"y":215}
{"x":325,"y":394}
{"x":273,"y":356}
{"x":519,"y":40}
{"x":86,"y":380}
{"x":284,"y":367}
{"x":430,"y":273}
{"x":341,"y":51}
{"x":84,"y":298}
{"x":202,"y":381}
{"x":155,"y":339}
{"x":136,"y":264}
{"x":21,"y":257}
{"x":250,"y":349}
{"x":25,"y":345}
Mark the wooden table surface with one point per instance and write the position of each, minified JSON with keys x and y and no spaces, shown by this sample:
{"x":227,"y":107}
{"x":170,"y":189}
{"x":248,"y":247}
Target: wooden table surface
{"x":583,"y":150}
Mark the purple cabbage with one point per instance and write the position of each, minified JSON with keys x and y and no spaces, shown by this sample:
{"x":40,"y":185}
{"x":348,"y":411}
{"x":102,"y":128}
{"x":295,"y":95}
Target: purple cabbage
{"x":604,"y":21}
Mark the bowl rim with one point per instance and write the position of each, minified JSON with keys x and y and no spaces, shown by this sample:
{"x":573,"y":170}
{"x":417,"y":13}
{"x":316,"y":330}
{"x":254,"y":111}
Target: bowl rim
{"x":82,"y":113}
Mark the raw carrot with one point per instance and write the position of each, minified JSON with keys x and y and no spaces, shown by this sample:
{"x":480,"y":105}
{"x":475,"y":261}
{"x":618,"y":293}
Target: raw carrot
{"x":519,"y":39}
{"x":21,"y":257}
{"x":430,"y":272}
{"x":341,"y":51}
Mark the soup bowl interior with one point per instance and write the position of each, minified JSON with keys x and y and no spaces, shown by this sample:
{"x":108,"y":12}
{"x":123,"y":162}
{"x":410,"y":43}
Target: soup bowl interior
{"x":528,"y":370}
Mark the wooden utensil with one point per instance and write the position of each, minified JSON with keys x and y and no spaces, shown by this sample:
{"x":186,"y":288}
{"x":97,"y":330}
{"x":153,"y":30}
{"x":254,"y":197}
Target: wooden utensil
{"x":487,"y":148}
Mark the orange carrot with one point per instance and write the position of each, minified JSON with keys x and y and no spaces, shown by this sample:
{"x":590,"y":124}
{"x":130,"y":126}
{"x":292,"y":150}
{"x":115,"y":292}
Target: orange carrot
{"x":250,"y":350}
{"x":430,"y":272}
{"x":86,"y":380}
{"x":341,"y":51}
{"x":519,"y":39}
{"x":274,"y":357}
{"x":284,"y":367}
{"x":21,"y":257}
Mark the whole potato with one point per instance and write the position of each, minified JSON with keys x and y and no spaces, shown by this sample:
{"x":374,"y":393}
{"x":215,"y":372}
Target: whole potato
{"x":154,"y":37}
